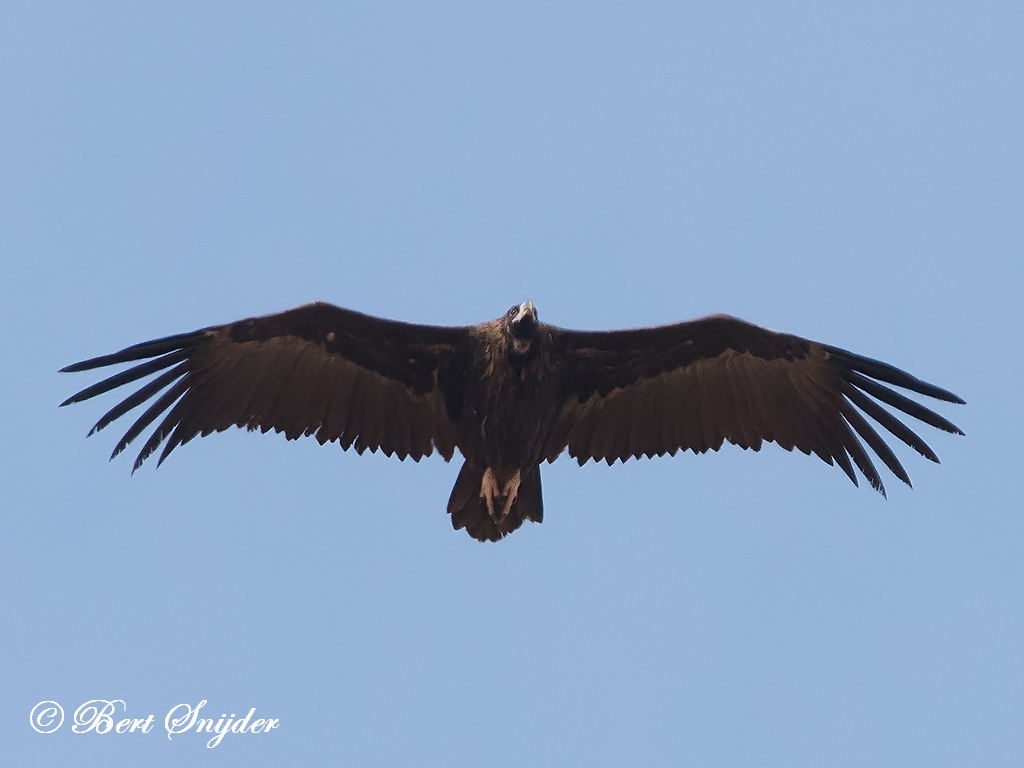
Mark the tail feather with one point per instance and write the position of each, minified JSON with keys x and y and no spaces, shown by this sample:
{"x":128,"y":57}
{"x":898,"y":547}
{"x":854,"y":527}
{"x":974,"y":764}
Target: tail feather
{"x":469,"y":510}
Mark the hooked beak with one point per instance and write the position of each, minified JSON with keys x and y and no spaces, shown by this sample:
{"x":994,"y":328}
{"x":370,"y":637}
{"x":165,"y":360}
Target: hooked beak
{"x":524,"y":325}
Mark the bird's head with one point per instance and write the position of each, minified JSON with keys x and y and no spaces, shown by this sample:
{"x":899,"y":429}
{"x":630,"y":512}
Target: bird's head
{"x":521,"y":326}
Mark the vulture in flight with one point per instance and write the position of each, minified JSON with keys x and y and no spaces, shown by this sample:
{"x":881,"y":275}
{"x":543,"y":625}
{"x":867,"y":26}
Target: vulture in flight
{"x":514,"y":392}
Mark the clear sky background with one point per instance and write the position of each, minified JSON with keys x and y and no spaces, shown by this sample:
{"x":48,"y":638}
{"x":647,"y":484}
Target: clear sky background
{"x":852,"y":172}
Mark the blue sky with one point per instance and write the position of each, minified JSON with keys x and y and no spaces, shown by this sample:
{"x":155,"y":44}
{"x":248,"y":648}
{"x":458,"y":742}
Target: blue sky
{"x":850,"y":172}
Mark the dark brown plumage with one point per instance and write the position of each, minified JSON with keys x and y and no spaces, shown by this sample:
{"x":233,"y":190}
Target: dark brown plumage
{"x":514,"y":392}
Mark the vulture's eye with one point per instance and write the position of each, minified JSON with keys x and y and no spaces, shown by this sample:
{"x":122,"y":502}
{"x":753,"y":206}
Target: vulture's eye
{"x":513,"y":312}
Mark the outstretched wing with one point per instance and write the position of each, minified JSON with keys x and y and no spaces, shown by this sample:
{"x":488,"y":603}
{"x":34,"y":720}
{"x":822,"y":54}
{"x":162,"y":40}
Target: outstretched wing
{"x":696,"y":384}
{"x":316,"y":370}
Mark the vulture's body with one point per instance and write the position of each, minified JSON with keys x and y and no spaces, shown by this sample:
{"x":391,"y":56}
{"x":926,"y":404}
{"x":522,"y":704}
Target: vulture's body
{"x":512,"y":393}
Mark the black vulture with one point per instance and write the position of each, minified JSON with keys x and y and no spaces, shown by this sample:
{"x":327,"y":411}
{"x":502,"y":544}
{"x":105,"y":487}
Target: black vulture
{"x":514,"y":392}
